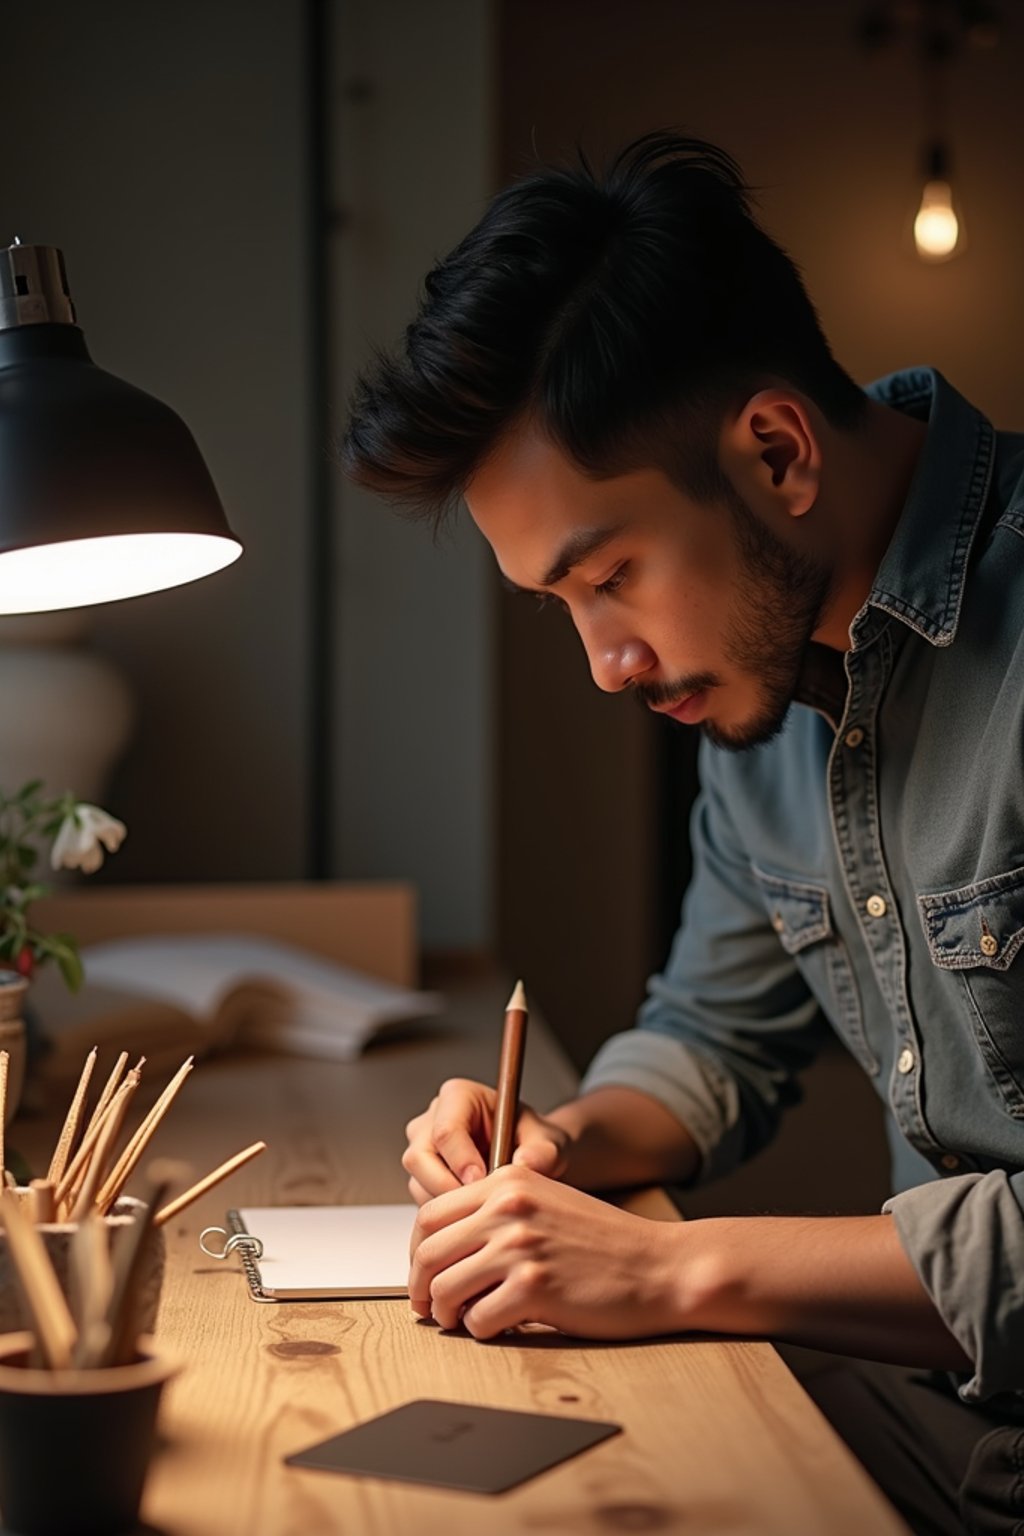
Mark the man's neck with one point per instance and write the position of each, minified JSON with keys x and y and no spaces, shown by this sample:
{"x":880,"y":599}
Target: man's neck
{"x":869,"y":476}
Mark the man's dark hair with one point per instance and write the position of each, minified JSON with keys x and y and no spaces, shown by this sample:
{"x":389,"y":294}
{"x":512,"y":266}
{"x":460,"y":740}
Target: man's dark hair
{"x":620,"y":312}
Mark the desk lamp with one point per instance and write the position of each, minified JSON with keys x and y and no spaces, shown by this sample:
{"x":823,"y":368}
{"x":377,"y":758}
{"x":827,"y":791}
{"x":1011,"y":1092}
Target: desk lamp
{"x":103,"y":491}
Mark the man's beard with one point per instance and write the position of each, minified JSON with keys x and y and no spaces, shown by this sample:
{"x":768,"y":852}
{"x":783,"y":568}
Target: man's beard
{"x":779,"y":602}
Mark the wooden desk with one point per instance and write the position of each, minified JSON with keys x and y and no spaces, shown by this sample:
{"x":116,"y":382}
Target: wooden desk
{"x":718,"y":1435}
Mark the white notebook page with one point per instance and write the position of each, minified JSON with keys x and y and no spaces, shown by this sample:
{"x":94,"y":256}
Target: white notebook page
{"x":333,"y":1250}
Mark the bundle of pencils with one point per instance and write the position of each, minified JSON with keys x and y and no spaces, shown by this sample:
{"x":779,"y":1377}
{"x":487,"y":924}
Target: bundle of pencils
{"x":84,"y":1175}
{"x":85,"y":1178}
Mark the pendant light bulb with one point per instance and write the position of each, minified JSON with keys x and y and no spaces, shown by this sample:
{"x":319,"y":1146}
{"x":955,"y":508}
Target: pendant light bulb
{"x":938,"y":233}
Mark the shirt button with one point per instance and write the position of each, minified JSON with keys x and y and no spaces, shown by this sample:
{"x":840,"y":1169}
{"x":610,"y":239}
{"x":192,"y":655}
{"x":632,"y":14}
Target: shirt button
{"x":855,"y":737}
{"x":951,"y":1161}
{"x":989,"y":944}
{"x":876,"y":906}
{"x":778,"y":923}
{"x":905,"y":1061}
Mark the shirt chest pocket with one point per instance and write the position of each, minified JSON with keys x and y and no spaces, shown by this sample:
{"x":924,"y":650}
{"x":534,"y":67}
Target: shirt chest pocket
{"x":800,"y":912}
{"x":977,"y":931}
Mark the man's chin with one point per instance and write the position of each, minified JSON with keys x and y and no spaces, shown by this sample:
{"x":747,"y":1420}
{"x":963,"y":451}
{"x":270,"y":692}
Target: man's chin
{"x":745,"y":737}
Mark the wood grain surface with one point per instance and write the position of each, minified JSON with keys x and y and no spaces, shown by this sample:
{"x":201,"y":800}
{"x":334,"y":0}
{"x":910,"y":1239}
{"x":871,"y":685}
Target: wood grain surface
{"x":718,"y":1436}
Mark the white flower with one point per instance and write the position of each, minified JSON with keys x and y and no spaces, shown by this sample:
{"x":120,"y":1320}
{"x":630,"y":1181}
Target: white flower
{"x":82,"y":837}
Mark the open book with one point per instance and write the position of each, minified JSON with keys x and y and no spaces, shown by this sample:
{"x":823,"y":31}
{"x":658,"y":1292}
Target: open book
{"x":203,"y":992}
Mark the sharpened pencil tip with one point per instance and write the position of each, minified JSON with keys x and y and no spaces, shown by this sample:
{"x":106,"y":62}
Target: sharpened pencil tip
{"x":518,"y":999}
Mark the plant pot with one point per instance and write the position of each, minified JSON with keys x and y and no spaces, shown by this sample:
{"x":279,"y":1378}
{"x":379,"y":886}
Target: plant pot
{"x":13,"y":987}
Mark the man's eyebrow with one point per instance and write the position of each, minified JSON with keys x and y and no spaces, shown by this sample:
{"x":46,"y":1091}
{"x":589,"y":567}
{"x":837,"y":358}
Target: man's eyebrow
{"x":579,"y":546}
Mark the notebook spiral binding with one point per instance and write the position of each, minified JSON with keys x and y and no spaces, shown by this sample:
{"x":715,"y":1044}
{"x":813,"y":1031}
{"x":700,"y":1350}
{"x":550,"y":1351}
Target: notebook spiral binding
{"x":248,"y":1247}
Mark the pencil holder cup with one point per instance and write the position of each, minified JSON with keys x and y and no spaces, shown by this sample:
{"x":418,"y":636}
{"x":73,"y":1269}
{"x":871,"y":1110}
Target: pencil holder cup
{"x":57,"y":1238}
{"x":75,"y":1446}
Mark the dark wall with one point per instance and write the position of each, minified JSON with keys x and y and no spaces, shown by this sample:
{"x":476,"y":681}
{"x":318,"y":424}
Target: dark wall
{"x":593,"y":802}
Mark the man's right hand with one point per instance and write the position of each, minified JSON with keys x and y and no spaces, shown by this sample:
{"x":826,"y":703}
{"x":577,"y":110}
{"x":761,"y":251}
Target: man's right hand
{"x":449,"y":1144}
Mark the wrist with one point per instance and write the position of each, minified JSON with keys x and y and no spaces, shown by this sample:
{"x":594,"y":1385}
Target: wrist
{"x":619,"y":1138}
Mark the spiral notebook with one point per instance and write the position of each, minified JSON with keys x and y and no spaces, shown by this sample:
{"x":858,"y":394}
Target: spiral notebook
{"x":319,"y":1252}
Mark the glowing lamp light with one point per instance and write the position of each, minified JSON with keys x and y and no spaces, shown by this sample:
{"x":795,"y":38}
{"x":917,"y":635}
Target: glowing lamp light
{"x":103,"y":491}
{"x":936,"y":226}
{"x":938,"y":233}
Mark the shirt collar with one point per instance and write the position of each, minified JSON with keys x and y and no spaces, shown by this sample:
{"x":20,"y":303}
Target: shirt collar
{"x":921,"y":578}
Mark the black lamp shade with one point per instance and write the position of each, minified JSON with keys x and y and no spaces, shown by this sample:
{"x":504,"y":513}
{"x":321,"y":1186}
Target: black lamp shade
{"x":103,"y":491}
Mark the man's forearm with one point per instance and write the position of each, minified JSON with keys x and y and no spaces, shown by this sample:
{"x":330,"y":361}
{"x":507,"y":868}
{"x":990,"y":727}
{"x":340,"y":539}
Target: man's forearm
{"x":841,"y":1283}
{"x":619,"y":1137}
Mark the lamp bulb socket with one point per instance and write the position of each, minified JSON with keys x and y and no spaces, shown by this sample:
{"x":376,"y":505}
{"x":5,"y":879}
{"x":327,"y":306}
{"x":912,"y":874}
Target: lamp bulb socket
{"x":34,"y":287}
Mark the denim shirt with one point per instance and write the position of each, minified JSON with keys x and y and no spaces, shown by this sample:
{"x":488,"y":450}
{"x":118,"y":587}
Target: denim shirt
{"x":868,"y":865}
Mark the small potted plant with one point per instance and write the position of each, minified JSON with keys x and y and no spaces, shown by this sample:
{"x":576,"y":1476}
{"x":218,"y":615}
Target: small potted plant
{"x":79,"y":834}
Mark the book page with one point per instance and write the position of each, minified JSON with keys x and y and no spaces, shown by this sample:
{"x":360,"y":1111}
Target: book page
{"x":289,"y":989}
{"x":197,"y":992}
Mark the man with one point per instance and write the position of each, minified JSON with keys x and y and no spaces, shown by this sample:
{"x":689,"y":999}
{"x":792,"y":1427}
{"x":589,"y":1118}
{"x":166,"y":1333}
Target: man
{"x":624,"y":378}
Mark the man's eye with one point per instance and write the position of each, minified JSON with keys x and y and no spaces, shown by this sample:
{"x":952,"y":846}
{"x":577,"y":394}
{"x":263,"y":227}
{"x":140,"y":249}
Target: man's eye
{"x":614,"y":582}
{"x":549,"y":600}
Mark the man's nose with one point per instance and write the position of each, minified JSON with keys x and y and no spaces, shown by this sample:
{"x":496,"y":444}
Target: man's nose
{"x":614,"y":664}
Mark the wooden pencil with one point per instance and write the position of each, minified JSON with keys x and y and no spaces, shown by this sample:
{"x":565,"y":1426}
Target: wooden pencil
{"x":5,"y":1062}
{"x":510,"y":1073}
{"x":85,"y":1195}
{"x":91,"y":1276}
{"x":130,"y":1157}
{"x":65,"y":1191}
{"x":53,"y":1324}
{"x":42,"y":1206}
{"x":223,"y":1172}
{"x":109,"y":1088}
{"x":72,"y":1122}
{"x":122,"y":1310}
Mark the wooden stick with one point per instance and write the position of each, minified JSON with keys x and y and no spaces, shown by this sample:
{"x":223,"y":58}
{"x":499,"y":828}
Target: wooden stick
{"x":86,"y":1195}
{"x":122,"y":1310}
{"x":54,"y":1326}
{"x":5,"y":1062}
{"x":92,"y":1279}
{"x":223,"y":1172}
{"x":76,"y":1171}
{"x":510,"y":1072}
{"x":62,"y":1151}
{"x":41,"y":1203}
{"x":108,"y":1089}
{"x":132,"y":1153}
{"x":73,"y":1177}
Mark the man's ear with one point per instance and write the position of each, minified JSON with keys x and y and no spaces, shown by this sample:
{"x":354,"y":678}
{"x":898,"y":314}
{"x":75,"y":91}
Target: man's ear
{"x":771,"y":453}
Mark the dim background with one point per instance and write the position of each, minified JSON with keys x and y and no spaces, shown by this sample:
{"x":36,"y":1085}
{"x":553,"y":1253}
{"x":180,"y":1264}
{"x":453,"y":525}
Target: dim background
{"x":248,"y":193}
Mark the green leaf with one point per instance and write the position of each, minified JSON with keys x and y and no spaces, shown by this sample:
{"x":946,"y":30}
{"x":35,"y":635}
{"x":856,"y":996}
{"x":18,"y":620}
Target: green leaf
{"x":63,"y":948}
{"x":70,"y":968}
{"x":15,"y":931}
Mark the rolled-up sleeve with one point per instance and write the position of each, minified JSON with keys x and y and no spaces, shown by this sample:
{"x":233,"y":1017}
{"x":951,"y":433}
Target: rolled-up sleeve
{"x":965,"y":1238}
{"x":730,"y":1022}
